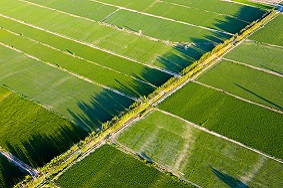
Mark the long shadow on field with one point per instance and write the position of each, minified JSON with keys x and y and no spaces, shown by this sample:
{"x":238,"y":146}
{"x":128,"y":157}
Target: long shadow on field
{"x":244,"y":16}
{"x":100,"y":108}
{"x":39,"y":149}
{"x":229,"y":180}
{"x":9,"y":173}
{"x":260,"y":97}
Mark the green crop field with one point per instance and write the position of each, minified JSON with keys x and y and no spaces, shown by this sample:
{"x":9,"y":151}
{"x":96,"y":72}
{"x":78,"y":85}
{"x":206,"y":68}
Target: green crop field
{"x":259,"y":55}
{"x":183,"y":148}
{"x":242,"y":12}
{"x":87,"y":104}
{"x":272,"y":33}
{"x":9,"y":173}
{"x":161,"y":28}
{"x":32,"y":133}
{"x":94,"y":33}
{"x":103,"y":58}
{"x":124,"y":171}
{"x":255,"y":85}
{"x":73,"y":64}
{"x":247,"y":123}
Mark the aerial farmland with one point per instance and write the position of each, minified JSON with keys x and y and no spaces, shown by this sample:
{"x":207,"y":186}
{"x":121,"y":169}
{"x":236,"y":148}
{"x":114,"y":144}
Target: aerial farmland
{"x":119,"y":93}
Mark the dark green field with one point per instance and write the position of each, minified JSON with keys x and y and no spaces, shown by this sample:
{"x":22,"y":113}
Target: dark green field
{"x":249,"y":124}
{"x":109,"y":167}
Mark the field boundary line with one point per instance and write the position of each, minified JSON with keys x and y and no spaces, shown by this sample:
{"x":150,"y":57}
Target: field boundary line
{"x":164,"y":18}
{"x":253,"y":67}
{"x":220,"y":136}
{"x":264,"y":43}
{"x":199,"y":9}
{"x":81,"y":58}
{"x":92,"y":46}
{"x":109,"y":15}
{"x":71,"y":73}
{"x":159,"y":167}
{"x":238,"y":97}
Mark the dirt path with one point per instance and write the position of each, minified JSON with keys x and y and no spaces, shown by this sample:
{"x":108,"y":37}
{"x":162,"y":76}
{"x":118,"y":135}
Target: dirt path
{"x":254,"y":67}
{"x":19,"y":163}
{"x":220,"y":136}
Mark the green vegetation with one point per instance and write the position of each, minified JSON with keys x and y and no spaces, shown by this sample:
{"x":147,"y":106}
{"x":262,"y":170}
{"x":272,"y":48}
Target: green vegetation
{"x":183,"y":148}
{"x":96,"y":73}
{"x":254,"y":85}
{"x":259,"y":55}
{"x":87,"y":9}
{"x":161,"y":28}
{"x":271,"y":33}
{"x":255,"y":4}
{"x":9,"y":173}
{"x":249,"y":124}
{"x":85,"y":103}
{"x":32,"y":133}
{"x":245,"y":13}
{"x":103,"y":58}
{"x":118,"y":41}
{"x":109,"y":167}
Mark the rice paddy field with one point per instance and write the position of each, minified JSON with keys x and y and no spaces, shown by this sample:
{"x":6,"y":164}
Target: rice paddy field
{"x":271,"y":33}
{"x":124,"y":170}
{"x":205,"y":159}
{"x":66,"y":70}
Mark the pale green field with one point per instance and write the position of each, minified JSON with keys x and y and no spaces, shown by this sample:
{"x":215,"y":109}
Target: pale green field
{"x":272,"y":32}
{"x":76,"y":99}
{"x":249,"y":124}
{"x":259,"y":55}
{"x":204,"y":159}
{"x":251,"y":84}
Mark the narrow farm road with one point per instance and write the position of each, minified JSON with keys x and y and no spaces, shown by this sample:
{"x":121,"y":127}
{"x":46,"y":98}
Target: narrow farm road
{"x":19,"y":163}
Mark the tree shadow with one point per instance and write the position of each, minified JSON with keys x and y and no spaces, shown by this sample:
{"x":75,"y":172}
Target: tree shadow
{"x":39,"y":149}
{"x":100,"y":109}
{"x":229,"y":180}
{"x":10,"y":174}
{"x":260,"y":97}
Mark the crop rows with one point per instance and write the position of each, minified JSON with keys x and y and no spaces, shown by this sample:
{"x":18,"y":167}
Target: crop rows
{"x":247,"y":123}
{"x":123,"y":170}
{"x":255,"y":85}
{"x":181,"y":147}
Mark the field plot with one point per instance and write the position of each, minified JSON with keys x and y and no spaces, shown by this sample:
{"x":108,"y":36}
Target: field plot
{"x":249,"y":124}
{"x":109,"y":167}
{"x":32,"y":133}
{"x":90,"y":70}
{"x":120,"y":42}
{"x":91,"y":54}
{"x":259,"y":55}
{"x":241,"y":12}
{"x":272,"y":33}
{"x":163,"y":29}
{"x":255,"y":85}
{"x":9,"y":173}
{"x":183,"y":148}
{"x":74,"y":98}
